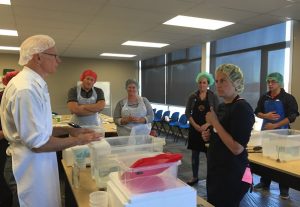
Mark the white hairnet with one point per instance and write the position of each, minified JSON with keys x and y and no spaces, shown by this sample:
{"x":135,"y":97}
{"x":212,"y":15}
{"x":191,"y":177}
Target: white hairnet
{"x":235,"y":75}
{"x":33,"y":45}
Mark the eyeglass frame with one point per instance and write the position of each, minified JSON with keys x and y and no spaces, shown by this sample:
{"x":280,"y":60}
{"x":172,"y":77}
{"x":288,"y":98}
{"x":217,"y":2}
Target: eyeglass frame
{"x":54,"y":55}
{"x":272,"y":81}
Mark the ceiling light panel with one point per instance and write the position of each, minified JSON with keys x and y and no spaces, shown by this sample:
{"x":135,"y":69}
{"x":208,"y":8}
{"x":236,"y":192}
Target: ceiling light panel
{"x":9,"y":48}
{"x":8,"y":32}
{"x":6,"y":2}
{"x":145,"y":44}
{"x":199,"y":23}
{"x":117,"y":55}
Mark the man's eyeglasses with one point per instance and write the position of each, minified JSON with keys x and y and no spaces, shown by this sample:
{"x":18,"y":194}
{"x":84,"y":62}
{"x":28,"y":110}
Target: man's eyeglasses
{"x":271,"y":82}
{"x":54,"y":55}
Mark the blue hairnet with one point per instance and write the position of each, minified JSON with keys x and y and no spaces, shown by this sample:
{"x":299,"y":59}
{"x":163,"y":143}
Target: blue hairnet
{"x":276,"y":77}
{"x":206,"y":75}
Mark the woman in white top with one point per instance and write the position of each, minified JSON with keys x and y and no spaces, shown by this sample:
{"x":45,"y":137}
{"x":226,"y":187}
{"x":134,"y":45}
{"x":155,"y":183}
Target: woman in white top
{"x":133,"y":112}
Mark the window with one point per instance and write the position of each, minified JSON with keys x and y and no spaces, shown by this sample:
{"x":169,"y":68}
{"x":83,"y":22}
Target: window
{"x":181,"y":68}
{"x":181,"y":82}
{"x":194,"y":52}
{"x":178,"y":55}
{"x":153,"y":82}
{"x":153,"y":62}
{"x":249,"y":62}
{"x":256,"y":38}
{"x":257,"y":53}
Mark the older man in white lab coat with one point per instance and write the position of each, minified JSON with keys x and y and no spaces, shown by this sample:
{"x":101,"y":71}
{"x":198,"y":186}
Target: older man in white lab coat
{"x":27,"y":125}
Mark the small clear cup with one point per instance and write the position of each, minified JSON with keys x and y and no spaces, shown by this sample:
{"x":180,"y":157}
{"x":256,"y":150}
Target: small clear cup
{"x":98,"y":199}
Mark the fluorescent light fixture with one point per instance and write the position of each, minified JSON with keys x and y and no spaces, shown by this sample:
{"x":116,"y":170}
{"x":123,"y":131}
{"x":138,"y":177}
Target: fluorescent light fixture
{"x":199,"y":23}
{"x":145,"y":44}
{"x":8,"y":32}
{"x":6,"y":2}
{"x":9,"y":48}
{"x":207,"y":54}
{"x":117,"y":55}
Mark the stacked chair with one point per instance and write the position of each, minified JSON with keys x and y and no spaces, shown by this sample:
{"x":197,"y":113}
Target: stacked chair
{"x":172,"y":123}
{"x":154,"y":110}
{"x":157,"y":119}
{"x":163,"y":122}
{"x":182,"y":125}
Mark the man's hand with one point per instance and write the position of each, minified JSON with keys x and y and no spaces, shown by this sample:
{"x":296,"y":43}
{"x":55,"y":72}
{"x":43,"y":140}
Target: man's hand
{"x":74,"y":132}
{"x":272,"y":116}
{"x":269,"y":126}
{"x":87,"y":137}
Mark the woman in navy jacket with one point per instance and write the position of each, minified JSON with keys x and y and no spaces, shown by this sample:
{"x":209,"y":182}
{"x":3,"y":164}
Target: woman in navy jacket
{"x":228,"y":172}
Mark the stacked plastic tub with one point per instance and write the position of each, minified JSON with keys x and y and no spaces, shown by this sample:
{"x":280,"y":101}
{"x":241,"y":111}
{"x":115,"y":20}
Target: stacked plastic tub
{"x":281,"y":145}
{"x":155,"y":185}
{"x":106,"y":153}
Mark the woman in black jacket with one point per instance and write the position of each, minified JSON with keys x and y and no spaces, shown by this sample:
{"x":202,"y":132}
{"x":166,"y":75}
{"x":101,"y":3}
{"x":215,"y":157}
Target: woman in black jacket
{"x":197,"y":106}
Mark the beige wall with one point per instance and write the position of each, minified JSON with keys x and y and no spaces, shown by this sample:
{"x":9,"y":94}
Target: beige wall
{"x":295,"y":89}
{"x":114,"y":71}
{"x":9,"y":61}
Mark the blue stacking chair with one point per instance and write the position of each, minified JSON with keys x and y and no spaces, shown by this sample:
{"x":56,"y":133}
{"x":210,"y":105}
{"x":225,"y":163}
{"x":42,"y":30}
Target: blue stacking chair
{"x":157,"y":119}
{"x":172,"y":123}
{"x":181,"y":125}
{"x":162,"y":122}
{"x":154,"y":110}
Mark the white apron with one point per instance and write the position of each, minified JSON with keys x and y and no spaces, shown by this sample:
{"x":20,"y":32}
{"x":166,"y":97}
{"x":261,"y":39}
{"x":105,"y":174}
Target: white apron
{"x":137,"y":128}
{"x":90,"y":119}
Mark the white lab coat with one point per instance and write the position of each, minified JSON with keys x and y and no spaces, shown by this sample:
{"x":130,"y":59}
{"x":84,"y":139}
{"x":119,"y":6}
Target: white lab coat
{"x":26,"y":110}
{"x":36,"y":175}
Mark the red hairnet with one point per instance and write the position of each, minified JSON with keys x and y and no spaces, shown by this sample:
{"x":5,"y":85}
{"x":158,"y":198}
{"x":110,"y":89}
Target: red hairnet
{"x":8,"y":76}
{"x":88,"y":73}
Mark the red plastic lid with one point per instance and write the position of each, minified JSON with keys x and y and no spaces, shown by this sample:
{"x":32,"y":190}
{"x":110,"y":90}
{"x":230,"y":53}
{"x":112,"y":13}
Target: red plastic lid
{"x":151,"y":161}
{"x":158,"y":159}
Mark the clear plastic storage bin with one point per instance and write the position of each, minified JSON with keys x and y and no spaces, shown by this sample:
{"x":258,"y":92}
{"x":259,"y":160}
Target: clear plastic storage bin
{"x":67,"y":154}
{"x":180,"y":194}
{"x":110,"y":163}
{"x":98,"y":129}
{"x":146,"y":179}
{"x":136,"y":143}
{"x":126,"y":144}
{"x":106,"y":153}
{"x":102,"y":168}
{"x":281,"y":144}
{"x":255,"y":139}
